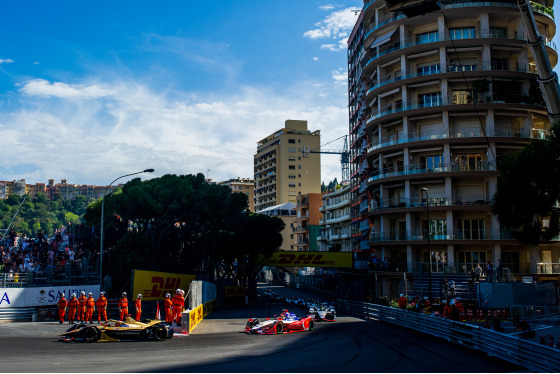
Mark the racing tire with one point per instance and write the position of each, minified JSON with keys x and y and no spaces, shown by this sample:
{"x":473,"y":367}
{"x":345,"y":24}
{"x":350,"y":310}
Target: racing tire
{"x":91,"y":335}
{"x":311,"y":325}
{"x":279,"y":328}
{"x":160,"y":333}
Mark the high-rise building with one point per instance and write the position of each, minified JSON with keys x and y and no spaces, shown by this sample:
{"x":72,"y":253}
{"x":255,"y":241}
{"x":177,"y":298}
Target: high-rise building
{"x":435,"y":104}
{"x":335,"y":226}
{"x":243,"y":185}
{"x":307,"y":223}
{"x":282,"y":172}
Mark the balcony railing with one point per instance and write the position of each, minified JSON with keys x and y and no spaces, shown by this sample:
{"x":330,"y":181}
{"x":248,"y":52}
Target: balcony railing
{"x":444,"y":36}
{"x":415,"y":202}
{"x":422,"y":169}
{"x":415,"y":235}
{"x":438,"y":101}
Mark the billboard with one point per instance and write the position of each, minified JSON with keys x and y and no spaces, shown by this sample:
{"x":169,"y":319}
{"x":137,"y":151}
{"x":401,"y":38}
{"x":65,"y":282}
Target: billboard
{"x":153,"y":285}
{"x":311,"y":259}
{"x":40,"y":296}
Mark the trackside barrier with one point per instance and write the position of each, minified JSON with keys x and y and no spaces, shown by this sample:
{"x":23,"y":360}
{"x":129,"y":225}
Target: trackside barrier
{"x":17,"y":314}
{"x":536,"y":357}
{"x":202,"y":297}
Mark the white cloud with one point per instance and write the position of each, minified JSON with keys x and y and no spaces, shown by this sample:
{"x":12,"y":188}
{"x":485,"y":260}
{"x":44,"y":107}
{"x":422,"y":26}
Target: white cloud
{"x":340,"y":76}
{"x":41,"y":87}
{"x":327,"y":7}
{"x":336,"y":25}
{"x":6,"y":61}
{"x":315,"y":58}
{"x":128,"y":127}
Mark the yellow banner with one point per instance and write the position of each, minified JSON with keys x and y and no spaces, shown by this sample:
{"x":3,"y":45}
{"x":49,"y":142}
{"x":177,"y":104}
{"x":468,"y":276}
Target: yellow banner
{"x":153,"y":285}
{"x":197,"y":314}
{"x":311,"y":259}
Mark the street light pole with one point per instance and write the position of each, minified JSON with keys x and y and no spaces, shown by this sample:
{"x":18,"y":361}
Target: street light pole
{"x":103,"y":215}
{"x":425,"y":190}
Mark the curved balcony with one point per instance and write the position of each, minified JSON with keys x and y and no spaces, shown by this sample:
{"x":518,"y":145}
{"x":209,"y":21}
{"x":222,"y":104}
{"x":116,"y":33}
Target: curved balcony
{"x":501,"y":68}
{"x":420,"y":202}
{"x":416,"y":169}
{"x":469,"y":132}
{"x":441,"y":39}
{"x":392,"y":17}
{"x":437,"y":104}
{"x":456,"y":235}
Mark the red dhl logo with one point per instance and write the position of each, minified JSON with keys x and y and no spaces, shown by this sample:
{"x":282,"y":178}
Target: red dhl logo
{"x":300,"y":259}
{"x":162,"y":286}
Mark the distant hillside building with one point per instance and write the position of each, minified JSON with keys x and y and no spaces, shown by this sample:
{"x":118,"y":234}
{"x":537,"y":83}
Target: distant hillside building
{"x":282,"y":173}
{"x":243,"y":185}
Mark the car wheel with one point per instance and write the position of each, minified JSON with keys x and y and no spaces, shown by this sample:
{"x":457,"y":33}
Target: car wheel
{"x":91,"y":335}
{"x":311,"y":325}
{"x":160,"y":333}
{"x":279,"y":328}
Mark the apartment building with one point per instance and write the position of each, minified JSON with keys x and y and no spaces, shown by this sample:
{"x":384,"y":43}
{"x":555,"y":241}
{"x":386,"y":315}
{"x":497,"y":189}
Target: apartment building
{"x":307,"y":223}
{"x":50,"y":190}
{"x":336,"y":232}
{"x":435,"y":103}
{"x":243,"y":185}
{"x":282,"y":172}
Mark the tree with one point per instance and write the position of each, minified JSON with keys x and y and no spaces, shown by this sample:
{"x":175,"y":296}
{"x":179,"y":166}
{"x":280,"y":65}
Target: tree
{"x":528,"y":190}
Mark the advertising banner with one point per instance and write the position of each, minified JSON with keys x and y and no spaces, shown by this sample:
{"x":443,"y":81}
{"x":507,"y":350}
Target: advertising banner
{"x":41,"y":296}
{"x":311,"y":259}
{"x":153,"y":285}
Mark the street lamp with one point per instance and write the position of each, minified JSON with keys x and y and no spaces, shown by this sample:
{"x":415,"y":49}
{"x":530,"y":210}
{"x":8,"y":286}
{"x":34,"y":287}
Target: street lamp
{"x":425,"y":190}
{"x":102,"y":215}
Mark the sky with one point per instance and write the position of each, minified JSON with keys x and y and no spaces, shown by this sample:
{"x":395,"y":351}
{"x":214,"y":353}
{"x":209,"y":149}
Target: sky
{"x":92,"y":90}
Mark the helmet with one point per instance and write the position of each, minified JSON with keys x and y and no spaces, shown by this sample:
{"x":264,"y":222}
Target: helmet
{"x":73,"y":295}
{"x":124,"y":293}
{"x":444,"y":301}
{"x":402,"y":295}
{"x":90,"y":293}
{"x":102,"y":293}
{"x":83,"y":292}
{"x":178,"y":290}
{"x":62,"y":294}
{"x":139,"y":295}
{"x":168,"y":295}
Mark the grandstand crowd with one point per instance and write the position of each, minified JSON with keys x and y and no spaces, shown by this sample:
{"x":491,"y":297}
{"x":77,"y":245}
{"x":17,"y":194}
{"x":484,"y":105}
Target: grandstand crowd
{"x":44,"y":256}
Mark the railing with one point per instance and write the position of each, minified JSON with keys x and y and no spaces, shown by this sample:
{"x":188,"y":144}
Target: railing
{"x":471,"y":132}
{"x":467,"y":235}
{"x":444,"y":36}
{"x":422,"y":169}
{"x":536,"y":357}
{"x":414,"y":202}
{"x":68,"y":276}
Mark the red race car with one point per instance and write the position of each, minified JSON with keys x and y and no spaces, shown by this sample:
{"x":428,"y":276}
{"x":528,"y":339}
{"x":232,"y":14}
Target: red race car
{"x":283,"y":324}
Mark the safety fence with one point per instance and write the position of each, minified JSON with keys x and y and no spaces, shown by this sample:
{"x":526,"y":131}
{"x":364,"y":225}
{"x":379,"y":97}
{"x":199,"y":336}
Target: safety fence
{"x":522,"y":352}
{"x":202,"y":297}
{"x":535,"y":313}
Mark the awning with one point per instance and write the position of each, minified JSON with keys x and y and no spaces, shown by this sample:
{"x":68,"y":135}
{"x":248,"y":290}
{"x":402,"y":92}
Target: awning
{"x":383,"y":38}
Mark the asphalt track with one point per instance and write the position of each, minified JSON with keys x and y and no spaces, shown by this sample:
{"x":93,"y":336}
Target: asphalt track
{"x":218,"y":345}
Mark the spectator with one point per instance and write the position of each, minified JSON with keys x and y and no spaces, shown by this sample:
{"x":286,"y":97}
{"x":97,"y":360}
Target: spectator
{"x":445,"y":287}
{"x":451,"y":286}
{"x":403,"y":302}
{"x":478,"y":272}
{"x":490,"y":271}
{"x":500,"y":270}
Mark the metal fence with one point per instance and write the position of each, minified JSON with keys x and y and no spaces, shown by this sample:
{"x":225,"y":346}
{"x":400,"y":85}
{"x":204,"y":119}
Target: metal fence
{"x":528,"y":354}
{"x":201,"y":292}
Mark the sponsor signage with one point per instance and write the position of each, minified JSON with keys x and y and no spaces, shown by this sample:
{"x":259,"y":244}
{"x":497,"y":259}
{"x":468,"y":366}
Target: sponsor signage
{"x":41,"y":296}
{"x":153,"y":285}
{"x":311,"y":259}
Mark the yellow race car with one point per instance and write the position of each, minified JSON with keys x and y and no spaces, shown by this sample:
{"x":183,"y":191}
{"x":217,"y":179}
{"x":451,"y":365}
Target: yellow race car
{"x":116,"y":331}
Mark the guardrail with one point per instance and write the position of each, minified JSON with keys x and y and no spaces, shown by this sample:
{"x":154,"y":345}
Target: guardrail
{"x":17,"y":314}
{"x":533,"y":356}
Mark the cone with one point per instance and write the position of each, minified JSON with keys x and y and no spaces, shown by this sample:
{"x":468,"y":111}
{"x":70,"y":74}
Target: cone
{"x":157,"y":311}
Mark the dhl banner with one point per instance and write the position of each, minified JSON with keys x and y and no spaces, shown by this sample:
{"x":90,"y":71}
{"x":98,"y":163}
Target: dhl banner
{"x":311,"y":259}
{"x":153,"y":285}
{"x":193,"y":317}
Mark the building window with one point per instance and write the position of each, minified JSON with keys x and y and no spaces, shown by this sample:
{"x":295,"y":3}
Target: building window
{"x":438,"y":229}
{"x":470,"y":229}
{"x":291,"y":167}
{"x":299,"y":166}
{"x":498,"y":32}
{"x":292,"y":185}
{"x":429,"y":99}
{"x":299,"y":184}
{"x":427,"y":37}
{"x":431,"y":163}
{"x":292,"y":141}
{"x":291,"y":149}
{"x":462,"y":33}
{"x":427,"y":69}
{"x":292,"y":159}
{"x":291,"y":176}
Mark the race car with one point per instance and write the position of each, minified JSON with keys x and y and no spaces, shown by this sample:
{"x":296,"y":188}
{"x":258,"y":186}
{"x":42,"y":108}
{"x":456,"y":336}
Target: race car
{"x":285,"y":323}
{"x":323,"y":312}
{"x":114,"y":331}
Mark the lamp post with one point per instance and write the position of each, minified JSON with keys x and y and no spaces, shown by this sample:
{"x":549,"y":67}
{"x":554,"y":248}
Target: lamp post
{"x":102,"y":216}
{"x":425,"y":190}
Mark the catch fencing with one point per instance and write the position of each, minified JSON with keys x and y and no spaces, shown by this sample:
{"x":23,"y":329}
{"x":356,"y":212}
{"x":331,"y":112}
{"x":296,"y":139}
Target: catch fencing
{"x":536,"y":357}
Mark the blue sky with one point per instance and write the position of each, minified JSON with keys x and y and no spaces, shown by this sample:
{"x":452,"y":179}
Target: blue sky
{"x":90,"y":90}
